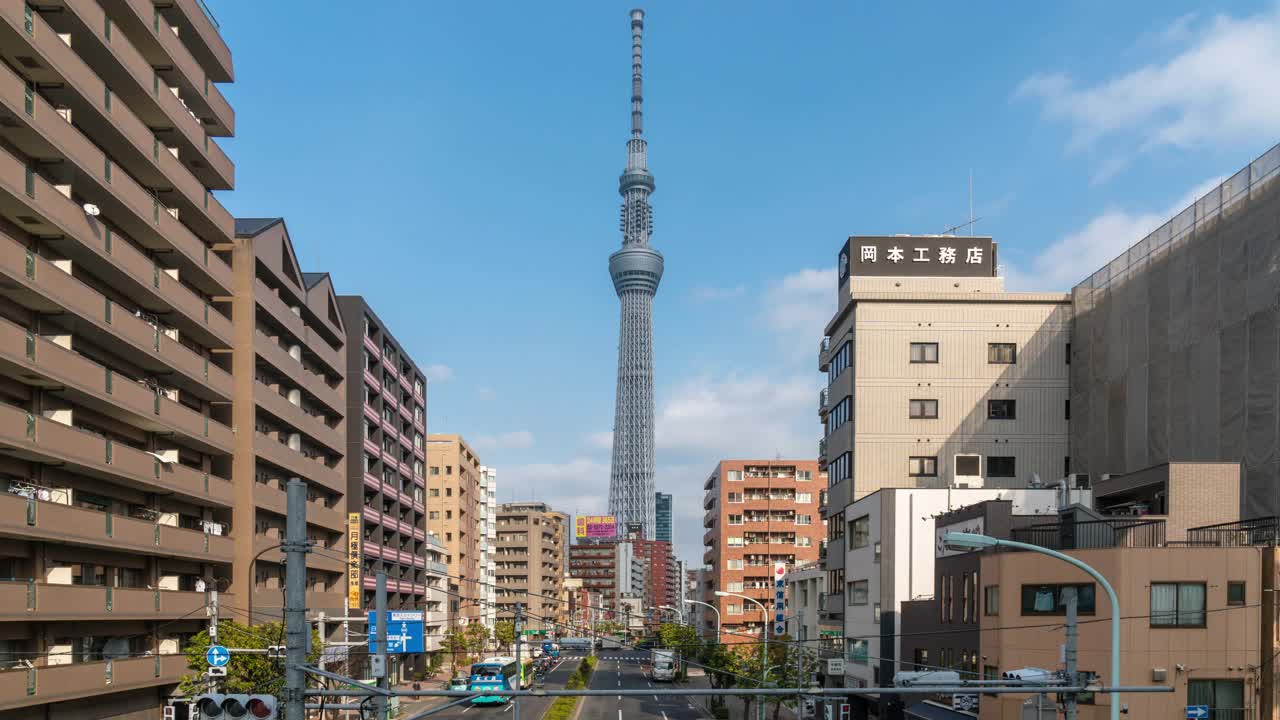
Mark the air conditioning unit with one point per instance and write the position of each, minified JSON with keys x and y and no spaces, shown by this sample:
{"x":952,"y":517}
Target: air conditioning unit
{"x":967,"y":471}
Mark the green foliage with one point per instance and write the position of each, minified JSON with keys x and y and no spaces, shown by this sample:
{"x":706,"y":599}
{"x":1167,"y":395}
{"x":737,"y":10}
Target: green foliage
{"x":720,"y":711}
{"x":561,"y":709}
{"x":609,"y":627}
{"x":581,"y":676}
{"x":245,"y":673}
{"x":474,"y":638}
{"x":720,"y":664}
{"x":504,"y":632}
{"x":679,"y":637}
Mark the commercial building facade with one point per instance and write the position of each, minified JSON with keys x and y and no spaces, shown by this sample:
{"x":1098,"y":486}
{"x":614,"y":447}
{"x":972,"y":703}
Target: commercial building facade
{"x":758,"y":512}
{"x":117,"y":505}
{"x":488,"y":538}
{"x":662,"y":505}
{"x":454,"y":508}
{"x":529,"y":558}
{"x":386,"y":471}
{"x":1173,"y":357}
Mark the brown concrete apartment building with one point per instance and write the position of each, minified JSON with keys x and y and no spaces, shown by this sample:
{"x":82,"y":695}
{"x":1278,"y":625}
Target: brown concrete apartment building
{"x":455,"y":515}
{"x":529,"y":564}
{"x":290,"y":410}
{"x":115,"y":338}
{"x":758,"y":512}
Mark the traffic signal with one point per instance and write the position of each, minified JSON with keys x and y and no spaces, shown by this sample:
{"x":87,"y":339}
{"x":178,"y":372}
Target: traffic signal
{"x":215,"y":706}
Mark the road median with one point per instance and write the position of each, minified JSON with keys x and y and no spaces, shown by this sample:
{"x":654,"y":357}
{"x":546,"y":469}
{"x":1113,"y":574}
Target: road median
{"x":568,"y":707}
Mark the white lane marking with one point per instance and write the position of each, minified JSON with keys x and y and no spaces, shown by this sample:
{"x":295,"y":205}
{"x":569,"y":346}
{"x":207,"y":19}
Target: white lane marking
{"x":467,"y":708}
{"x":655,"y":697}
{"x":508,"y":707}
{"x":691,"y":707}
{"x":664,"y":715}
{"x":646,"y":682}
{"x":619,"y":712}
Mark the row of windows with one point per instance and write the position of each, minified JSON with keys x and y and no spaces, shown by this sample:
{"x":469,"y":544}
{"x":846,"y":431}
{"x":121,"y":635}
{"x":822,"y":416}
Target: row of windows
{"x":840,"y":468}
{"x":966,"y":465}
{"x":780,"y":495}
{"x":997,"y":353}
{"x":800,"y":475}
{"x":1173,"y":604}
{"x":839,"y":414}
{"x":839,"y":362}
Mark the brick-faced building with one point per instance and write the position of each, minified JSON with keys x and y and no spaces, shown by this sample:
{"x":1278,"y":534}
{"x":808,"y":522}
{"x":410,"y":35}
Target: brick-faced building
{"x":758,"y":512}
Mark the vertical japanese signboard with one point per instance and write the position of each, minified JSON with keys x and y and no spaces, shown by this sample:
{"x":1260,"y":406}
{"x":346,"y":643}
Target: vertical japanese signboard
{"x":779,"y":599}
{"x":353,"y":559}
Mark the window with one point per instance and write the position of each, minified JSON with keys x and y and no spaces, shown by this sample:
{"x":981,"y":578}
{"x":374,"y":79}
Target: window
{"x":734,"y":586}
{"x":1067,"y":411}
{"x":923,"y":409}
{"x":804,"y":498}
{"x":856,"y":593}
{"x":1002,"y":353}
{"x":856,"y":651}
{"x":991,"y":600}
{"x":732,"y":609}
{"x":999,"y":466}
{"x":734,"y":541}
{"x":1225,"y":698}
{"x":922,"y":467}
{"x":433,"y":470}
{"x":1235,"y":593}
{"x":839,"y":362}
{"x":1048,"y":599}
{"x":735,"y":519}
{"x":434,"y":515}
{"x":859,"y":532}
{"x":840,"y":468}
{"x":735,"y":475}
{"x":876,"y":550}
{"x":924,"y":352}
{"x":1002,"y":409}
{"x":875,"y":612}
{"x":434,"y":492}
{"x":1068,"y":353}
{"x":839,"y":414}
{"x":920,"y":658}
{"x":804,"y":519}
{"x":804,"y":475}
{"x":734,"y":564}
{"x":1177,"y":604}
{"x":734,"y":497}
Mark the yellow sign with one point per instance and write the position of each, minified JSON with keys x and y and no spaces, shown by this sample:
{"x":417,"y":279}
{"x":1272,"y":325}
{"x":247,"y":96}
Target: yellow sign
{"x":353,"y":560}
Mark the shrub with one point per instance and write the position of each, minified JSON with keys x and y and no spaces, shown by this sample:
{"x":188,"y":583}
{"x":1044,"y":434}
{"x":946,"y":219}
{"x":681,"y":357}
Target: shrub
{"x":561,"y":709}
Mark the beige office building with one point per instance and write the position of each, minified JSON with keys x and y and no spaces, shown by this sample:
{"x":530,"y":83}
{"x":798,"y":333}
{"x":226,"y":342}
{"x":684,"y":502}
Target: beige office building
{"x":529,"y":558}
{"x":936,"y":376}
{"x":455,"y":515}
{"x":115,"y":371}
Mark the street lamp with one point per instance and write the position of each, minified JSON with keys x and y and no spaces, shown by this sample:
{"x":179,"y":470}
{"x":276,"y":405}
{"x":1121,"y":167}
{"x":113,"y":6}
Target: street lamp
{"x":764,"y":647}
{"x":679,"y":613}
{"x":976,"y":541}
{"x":715,"y":610}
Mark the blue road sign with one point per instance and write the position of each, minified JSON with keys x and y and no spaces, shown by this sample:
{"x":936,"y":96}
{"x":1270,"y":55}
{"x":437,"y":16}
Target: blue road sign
{"x":218,"y":656}
{"x":1197,"y":712}
{"x":404,"y":632}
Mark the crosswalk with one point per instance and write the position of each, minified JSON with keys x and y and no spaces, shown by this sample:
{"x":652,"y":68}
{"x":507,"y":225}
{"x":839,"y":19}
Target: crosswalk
{"x":619,"y":658}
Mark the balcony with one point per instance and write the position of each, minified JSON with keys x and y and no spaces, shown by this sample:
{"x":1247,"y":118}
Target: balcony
{"x":24,"y":601}
{"x":314,"y":385}
{"x":37,"y":361}
{"x":38,"y":439}
{"x":161,"y":47}
{"x":822,"y":454}
{"x":824,"y":347}
{"x":1093,"y":534}
{"x":30,"y":519}
{"x":133,"y":207}
{"x":1264,"y":531}
{"x":42,"y":286}
{"x":311,"y":426}
{"x":200,"y":33}
{"x":330,"y":518}
{"x":23,"y":687}
{"x":822,"y":401}
{"x":83,"y":239}
{"x":290,"y":460}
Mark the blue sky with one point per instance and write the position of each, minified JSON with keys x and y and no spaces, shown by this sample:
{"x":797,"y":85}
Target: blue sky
{"x":457,"y":164}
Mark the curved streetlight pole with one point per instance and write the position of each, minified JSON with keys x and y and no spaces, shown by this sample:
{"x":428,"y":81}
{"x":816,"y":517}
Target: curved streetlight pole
{"x":974,"y":541}
{"x":764,"y":646}
{"x":715,"y":610}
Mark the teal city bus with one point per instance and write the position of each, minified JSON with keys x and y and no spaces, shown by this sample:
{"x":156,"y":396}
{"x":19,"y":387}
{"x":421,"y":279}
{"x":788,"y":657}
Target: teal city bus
{"x":495,"y":673}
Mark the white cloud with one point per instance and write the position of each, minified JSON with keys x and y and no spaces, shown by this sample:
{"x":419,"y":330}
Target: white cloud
{"x":515,"y":440}
{"x":797,"y":308}
{"x":740,"y":415}
{"x":713,"y":294}
{"x":438,"y":373}
{"x":1072,"y":258}
{"x":602,"y":440}
{"x":578,"y":485}
{"x":1217,"y":87}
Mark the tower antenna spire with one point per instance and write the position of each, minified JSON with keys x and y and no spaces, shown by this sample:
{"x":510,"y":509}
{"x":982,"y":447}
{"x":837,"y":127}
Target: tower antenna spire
{"x":637,"y":72}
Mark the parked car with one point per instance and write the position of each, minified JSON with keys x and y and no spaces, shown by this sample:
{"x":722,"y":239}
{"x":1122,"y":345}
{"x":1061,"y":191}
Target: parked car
{"x":456,"y":683}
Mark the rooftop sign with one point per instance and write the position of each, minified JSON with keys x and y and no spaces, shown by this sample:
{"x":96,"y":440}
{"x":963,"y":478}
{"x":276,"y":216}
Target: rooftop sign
{"x":917,"y":256}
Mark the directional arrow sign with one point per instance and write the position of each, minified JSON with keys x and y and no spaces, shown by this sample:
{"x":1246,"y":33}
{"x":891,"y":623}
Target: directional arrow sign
{"x":218,"y":656}
{"x":1197,"y":712}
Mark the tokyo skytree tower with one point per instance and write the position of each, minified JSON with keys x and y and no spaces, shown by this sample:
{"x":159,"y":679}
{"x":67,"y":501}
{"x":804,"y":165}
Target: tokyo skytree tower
{"x":636,"y":270}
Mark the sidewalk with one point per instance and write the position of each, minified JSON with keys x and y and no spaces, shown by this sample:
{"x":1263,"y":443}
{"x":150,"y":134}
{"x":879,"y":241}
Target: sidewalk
{"x":737,"y":708}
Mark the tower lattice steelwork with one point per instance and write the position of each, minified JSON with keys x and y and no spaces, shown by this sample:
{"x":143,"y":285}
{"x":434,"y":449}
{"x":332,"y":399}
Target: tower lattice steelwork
{"x":636,"y":270}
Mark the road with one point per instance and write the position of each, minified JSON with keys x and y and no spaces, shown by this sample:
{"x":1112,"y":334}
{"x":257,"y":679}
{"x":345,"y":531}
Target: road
{"x":530,"y":708}
{"x":622,"y":669}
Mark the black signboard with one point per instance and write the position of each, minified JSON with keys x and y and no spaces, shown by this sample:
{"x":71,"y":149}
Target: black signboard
{"x":917,"y":256}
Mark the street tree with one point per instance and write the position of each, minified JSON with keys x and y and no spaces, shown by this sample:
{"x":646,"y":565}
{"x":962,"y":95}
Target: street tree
{"x":245,"y":673}
{"x":504,"y":632}
{"x":474,"y":638}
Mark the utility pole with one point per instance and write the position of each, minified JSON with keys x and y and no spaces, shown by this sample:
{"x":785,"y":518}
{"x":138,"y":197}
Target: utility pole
{"x":799,"y":647}
{"x":380,"y":663}
{"x":295,"y":549}
{"x":1069,"y":651}
{"x":519,"y":624}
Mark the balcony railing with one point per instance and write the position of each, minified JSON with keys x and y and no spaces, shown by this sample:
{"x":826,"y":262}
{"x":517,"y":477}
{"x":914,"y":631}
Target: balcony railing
{"x":822,"y":399}
{"x":1094,"y":534}
{"x":1241,"y":533}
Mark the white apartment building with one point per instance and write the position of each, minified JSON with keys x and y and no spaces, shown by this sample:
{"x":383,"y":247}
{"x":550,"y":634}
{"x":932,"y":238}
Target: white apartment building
{"x":487,"y":532}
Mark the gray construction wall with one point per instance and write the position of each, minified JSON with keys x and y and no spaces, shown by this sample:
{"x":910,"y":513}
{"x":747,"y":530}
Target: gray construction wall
{"x":1176,"y":344}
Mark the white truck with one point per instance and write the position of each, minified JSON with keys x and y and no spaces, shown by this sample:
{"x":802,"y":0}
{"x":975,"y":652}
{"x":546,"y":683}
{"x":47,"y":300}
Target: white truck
{"x":664,"y":664}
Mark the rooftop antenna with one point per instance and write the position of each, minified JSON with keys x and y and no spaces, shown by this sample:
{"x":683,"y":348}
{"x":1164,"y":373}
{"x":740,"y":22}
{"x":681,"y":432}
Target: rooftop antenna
{"x":972,"y":220}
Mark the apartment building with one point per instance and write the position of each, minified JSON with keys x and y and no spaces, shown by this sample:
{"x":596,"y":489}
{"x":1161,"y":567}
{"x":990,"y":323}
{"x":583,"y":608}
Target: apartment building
{"x":596,"y":565}
{"x":659,"y":573}
{"x":387,"y":408}
{"x":529,"y":554}
{"x":116,"y":493}
{"x":454,"y":511}
{"x":1169,"y":359}
{"x":758,"y":512}
{"x":487,"y":561}
{"x":290,"y":410}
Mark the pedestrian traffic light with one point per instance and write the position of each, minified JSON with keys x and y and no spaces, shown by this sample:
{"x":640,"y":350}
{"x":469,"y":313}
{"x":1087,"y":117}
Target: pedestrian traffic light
{"x":215,"y":706}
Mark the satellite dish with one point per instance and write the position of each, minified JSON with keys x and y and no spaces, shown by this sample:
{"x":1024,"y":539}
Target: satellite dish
{"x":91,"y":209}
